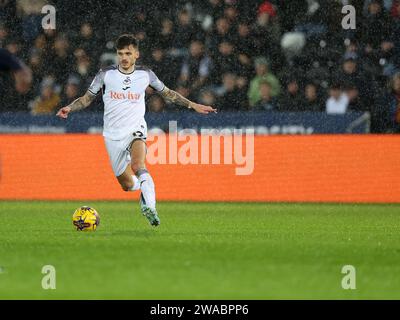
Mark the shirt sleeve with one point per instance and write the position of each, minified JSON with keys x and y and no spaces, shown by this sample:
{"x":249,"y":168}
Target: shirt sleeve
{"x":97,"y":83}
{"x":155,"y":83}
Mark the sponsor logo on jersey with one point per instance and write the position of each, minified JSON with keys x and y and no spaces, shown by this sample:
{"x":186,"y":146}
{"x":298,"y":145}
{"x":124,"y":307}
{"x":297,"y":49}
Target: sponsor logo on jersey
{"x":124,"y":95}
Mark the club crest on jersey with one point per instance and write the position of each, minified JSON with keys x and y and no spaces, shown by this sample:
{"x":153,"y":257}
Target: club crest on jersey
{"x":126,"y":83}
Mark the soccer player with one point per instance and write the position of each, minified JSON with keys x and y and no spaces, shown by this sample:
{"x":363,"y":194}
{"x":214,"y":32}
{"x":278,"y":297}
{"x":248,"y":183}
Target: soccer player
{"x":125,"y":130}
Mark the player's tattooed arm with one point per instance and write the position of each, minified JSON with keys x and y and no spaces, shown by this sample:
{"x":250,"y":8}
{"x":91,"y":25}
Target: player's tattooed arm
{"x":82,"y":102}
{"x":177,"y":98}
{"x":77,"y":104}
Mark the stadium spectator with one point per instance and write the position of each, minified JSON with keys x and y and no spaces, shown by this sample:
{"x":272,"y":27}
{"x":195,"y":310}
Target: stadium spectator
{"x":386,"y":115}
{"x":141,"y":18}
{"x":376,"y":19}
{"x":338,"y":101}
{"x":242,"y":83}
{"x":50,"y":36}
{"x":243,"y":39}
{"x":226,"y":61}
{"x":31,"y":17}
{"x":230,"y":98}
{"x":156,"y":104}
{"x":196,"y":68}
{"x":88,"y":40}
{"x":145,"y":42}
{"x":71,"y":90}
{"x":40,"y":45}
{"x":48,"y":100}
{"x":16,"y":69}
{"x":186,"y":30}
{"x":385,"y":4}
{"x":38,"y":68}
{"x":353,"y":95}
{"x":292,"y":100}
{"x":15,"y":77}
{"x":83,"y":66}
{"x":395,"y":101}
{"x":13,"y":46}
{"x":209,"y":12}
{"x":262,"y":74}
{"x":3,"y":34}
{"x":395,"y":34}
{"x":371,"y":40}
{"x":388,"y":55}
{"x":222,"y":32}
{"x":266,"y":102}
{"x":166,"y":35}
{"x":61,"y":62}
{"x":231,"y":13}
{"x":243,"y":46}
{"x":8,"y":12}
{"x":312,"y":99}
{"x":207,"y":97}
{"x":36,"y":62}
{"x":266,"y":32}
{"x":160,"y":63}
{"x":351,"y":75}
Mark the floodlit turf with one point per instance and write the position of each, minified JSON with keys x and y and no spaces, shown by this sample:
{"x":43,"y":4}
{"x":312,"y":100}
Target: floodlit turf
{"x":201,"y":251}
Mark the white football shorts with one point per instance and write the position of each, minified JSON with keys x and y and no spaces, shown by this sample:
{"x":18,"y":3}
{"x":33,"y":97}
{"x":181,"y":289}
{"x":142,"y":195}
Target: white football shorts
{"x":119,"y":151}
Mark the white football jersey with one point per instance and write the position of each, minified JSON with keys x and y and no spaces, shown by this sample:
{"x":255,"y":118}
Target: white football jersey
{"x":123,"y":96}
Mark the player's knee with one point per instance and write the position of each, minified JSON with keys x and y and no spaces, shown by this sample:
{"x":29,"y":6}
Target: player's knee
{"x":136,"y":166}
{"x":127,"y":186}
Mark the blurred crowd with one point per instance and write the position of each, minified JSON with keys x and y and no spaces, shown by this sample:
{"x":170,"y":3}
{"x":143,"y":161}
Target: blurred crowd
{"x":236,"y":55}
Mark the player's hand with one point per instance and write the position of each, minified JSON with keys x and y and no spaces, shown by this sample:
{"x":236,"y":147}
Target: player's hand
{"x":63,"y":112}
{"x":200,"y":108}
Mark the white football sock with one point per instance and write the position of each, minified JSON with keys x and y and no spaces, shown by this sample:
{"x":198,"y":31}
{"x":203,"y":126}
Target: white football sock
{"x":147,"y":187}
{"x":136,"y":184}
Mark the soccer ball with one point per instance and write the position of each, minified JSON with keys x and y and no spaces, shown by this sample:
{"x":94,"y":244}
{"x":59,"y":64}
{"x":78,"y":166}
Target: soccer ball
{"x":86,"y":219}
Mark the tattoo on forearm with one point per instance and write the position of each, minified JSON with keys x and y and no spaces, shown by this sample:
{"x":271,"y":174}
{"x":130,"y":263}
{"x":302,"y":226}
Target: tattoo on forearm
{"x":175,"y":97}
{"x":77,"y":105}
{"x":82,"y":102}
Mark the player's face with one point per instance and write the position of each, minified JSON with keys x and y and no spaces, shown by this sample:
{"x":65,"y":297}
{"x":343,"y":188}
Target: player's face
{"x":127,"y":56}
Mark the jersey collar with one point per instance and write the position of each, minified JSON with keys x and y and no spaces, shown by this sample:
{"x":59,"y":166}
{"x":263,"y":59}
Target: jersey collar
{"x":125,"y":72}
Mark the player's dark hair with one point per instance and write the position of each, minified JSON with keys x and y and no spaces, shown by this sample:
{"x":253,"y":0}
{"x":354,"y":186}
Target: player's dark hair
{"x":125,"y":40}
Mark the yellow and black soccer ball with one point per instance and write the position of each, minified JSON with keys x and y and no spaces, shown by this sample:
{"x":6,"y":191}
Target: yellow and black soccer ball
{"x":86,"y":219}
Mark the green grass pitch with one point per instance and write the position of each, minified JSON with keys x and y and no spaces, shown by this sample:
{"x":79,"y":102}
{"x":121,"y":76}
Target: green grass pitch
{"x":201,"y":251}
